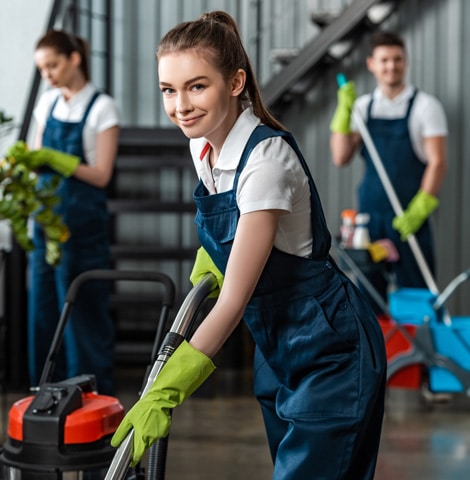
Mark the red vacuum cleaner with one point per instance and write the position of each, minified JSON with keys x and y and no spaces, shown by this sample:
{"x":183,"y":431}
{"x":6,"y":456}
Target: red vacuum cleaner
{"x":65,"y":427}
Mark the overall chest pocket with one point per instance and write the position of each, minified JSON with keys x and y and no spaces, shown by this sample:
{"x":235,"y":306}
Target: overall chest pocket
{"x":220,"y":225}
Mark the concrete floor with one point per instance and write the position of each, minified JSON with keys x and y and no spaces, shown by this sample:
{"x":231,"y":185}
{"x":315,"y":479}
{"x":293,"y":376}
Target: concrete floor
{"x":222,"y":437}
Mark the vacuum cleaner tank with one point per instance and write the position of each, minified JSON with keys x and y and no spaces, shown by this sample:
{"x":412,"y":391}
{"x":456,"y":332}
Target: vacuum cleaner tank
{"x":65,"y":426}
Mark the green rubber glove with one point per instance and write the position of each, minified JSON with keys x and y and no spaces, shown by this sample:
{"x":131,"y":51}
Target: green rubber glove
{"x":17,"y":149}
{"x":63,"y":163}
{"x":418,"y":210}
{"x":202,"y":265}
{"x":341,"y":120}
{"x":184,"y":372}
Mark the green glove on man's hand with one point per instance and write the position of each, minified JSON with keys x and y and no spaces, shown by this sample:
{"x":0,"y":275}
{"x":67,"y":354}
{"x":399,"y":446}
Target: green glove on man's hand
{"x":63,"y":163}
{"x":202,"y":265}
{"x":184,"y":372}
{"x":418,"y":210}
{"x":341,"y":120}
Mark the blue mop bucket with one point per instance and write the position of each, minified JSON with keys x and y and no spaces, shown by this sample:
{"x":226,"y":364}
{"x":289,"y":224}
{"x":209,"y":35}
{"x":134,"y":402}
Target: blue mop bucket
{"x":415,"y":306}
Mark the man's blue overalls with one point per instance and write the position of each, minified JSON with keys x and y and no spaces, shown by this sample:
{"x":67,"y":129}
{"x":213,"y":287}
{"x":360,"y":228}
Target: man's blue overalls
{"x":88,"y":343}
{"x":319,"y":371}
{"x":393,"y":143}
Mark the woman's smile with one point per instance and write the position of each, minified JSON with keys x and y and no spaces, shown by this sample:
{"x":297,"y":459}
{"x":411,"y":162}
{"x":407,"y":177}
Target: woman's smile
{"x":188,"y":121}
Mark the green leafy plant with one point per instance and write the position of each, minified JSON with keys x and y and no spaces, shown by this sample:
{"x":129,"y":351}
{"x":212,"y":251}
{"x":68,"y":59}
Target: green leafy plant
{"x":21,"y":199}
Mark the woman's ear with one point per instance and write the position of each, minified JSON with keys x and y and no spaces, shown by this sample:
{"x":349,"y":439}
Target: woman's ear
{"x":238,"y":83}
{"x":76,"y":59}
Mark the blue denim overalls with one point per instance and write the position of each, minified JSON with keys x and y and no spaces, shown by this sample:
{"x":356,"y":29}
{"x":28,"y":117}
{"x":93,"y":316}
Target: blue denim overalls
{"x":319,"y":368}
{"x":89,"y":334}
{"x":392,"y":140}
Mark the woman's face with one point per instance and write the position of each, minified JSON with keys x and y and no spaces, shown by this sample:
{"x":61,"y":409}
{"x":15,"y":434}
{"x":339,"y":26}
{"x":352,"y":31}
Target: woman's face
{"x":197,"y":98}
{"x":58,"y":69}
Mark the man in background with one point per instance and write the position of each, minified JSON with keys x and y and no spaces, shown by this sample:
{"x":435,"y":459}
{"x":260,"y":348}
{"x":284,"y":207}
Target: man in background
{"x":409,"y":130}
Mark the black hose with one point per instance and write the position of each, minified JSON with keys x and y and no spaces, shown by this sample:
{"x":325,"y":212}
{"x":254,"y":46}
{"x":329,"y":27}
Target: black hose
{"x":157,"y":459}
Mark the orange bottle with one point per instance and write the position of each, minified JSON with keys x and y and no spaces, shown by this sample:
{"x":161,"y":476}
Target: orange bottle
{"x":347,"y":227}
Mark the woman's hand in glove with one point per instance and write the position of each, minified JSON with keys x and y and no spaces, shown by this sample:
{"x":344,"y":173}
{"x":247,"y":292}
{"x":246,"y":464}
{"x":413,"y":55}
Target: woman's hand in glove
{"x":184,"y":372}
{"x":62,"y":163}
{"x":202,"y":265}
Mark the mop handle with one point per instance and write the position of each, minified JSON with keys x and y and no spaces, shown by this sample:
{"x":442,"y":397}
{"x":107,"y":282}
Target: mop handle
{"x":390,"y":191}
{"x":178,"y":331}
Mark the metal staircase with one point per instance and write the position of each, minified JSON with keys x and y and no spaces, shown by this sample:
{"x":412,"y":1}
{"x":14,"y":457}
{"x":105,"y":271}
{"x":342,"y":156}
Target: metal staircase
{"x":151,"y":189}
{"x":343,"y":30}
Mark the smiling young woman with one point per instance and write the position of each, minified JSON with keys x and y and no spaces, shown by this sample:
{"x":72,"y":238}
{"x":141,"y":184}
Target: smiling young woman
{"x":319,"y":367}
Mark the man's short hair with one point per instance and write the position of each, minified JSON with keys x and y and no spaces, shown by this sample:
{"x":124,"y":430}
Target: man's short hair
{"x":385,"y":39}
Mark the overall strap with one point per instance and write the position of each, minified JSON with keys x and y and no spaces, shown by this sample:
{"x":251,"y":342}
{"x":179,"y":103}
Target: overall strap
{"x":369,"y":107}
{"x":262,"y":132}
{"x":54,"y":103}
{"x":88,"y":108}
{"x":410,"y":103}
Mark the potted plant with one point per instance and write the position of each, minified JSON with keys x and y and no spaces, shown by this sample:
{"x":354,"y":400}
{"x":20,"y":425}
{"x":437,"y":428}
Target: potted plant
{"x":21,"y":200}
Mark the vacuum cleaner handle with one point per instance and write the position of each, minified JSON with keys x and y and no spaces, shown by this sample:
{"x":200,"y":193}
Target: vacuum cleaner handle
{"x":178,"y":332}
{"x":390,"y":191}
{"x":110,"y":275}
{"x":117,"y":275}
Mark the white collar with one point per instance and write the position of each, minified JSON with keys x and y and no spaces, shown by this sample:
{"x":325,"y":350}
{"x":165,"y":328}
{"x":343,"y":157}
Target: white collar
{"x":403,"y":96}
{"x":82,"y":96}
{"x":235,"y":141}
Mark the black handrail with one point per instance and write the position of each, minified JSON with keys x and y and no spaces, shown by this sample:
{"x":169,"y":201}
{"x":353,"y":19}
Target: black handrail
{"x":25,"y":124}
{"x":352,"y":21}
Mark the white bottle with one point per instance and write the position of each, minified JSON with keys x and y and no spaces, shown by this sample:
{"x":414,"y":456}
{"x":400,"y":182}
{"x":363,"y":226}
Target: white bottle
{"x":347,"y":227}
{"x":361,"y":238}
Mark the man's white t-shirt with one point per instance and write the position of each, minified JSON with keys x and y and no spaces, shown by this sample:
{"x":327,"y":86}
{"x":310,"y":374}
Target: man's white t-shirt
{"x":427,"y":116}
{"x":273,"y":179}
{"x":103,"y":114}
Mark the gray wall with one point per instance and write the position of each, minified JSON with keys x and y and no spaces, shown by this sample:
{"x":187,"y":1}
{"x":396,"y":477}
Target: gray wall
{"x":138,"y":27}
{"x":437,"y":34}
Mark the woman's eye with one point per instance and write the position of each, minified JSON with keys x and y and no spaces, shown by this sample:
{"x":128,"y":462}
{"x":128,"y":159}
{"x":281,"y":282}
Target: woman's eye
{"x":197,"y":87}
{"x":167,"y":91}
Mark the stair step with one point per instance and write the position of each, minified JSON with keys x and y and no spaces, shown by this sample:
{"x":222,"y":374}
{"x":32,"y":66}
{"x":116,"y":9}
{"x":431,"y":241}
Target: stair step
{"x":179,"y":160}
{"x":121,"y":205}
{"x":142,"y":137}
{"x":151,"y":252}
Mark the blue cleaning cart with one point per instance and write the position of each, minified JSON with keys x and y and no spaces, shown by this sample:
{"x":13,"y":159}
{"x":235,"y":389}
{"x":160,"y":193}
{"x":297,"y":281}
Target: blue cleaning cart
{"x":441,"y":341}
{"x":422,"y":338}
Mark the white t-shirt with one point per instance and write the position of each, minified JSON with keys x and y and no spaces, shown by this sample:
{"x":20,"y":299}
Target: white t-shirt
{"x":427,"y":117}
{"x":103,"y":114}
{"x":273,"y":178}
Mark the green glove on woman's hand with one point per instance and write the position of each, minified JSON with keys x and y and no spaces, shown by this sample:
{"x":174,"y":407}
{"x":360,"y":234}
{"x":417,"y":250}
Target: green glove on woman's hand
{"x":18,"y":149}
{"x":184,"y":372}
{"x":341,"y":120}
{"x":202,"y":265}
{"x":418,"y":210}
{"x":63,"y":163}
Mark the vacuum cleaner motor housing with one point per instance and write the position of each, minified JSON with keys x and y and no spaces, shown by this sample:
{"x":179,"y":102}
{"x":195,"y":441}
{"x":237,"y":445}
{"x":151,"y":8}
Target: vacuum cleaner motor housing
{"x":65,"y":426}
